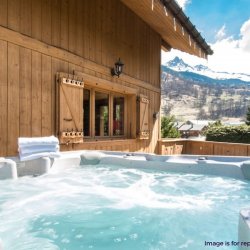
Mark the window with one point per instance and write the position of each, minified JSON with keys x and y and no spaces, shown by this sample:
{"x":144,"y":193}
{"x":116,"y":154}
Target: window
{"x":118,"y":115}
{"x":91,"y":111}
{"x":86,"y":112}
{"x":101,"y":114}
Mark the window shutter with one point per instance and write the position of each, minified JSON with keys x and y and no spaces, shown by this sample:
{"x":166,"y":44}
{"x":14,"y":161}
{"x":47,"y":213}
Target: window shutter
{"x":69,"y":108}
{"x":143,"y":115}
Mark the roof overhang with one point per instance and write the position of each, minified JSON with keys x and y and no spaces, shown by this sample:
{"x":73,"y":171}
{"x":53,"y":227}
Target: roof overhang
{"x":167,"y":18}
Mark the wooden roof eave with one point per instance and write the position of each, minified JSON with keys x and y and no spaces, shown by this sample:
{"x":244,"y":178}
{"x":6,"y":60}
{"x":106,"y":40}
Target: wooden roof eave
{"x":164,"y":22}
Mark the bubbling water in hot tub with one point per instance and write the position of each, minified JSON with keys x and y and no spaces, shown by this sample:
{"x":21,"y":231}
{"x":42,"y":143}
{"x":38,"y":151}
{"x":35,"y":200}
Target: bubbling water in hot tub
{"x":107,"y":206}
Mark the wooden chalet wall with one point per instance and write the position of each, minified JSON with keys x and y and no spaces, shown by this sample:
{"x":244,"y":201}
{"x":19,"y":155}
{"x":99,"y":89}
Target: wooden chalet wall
{"x":39,"y":38}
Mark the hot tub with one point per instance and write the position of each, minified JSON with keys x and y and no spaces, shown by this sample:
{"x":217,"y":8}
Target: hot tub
{"x":107,"y":200}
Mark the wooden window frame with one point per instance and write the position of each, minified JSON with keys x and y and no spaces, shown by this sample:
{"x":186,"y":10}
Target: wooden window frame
{"x":111,"y":95}
{"x":125,"y":118}
{"x":94,"y":84}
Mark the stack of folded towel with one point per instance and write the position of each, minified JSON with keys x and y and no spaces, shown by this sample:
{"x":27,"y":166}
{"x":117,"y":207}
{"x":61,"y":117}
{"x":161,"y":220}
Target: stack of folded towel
{"x":36,"y":147}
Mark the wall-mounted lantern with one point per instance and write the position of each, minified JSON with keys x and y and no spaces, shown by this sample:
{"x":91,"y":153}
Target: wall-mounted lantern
{"x":117,"y":70}
{"x":155,"y":115}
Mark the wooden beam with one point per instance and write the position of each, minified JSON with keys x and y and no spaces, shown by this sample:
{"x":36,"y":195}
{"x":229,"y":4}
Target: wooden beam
{"x":168,"y":26}
{"x":165,"y":46}
{"x":97,"y":82}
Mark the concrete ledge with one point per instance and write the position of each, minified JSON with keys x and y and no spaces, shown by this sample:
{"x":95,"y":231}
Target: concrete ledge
{"x":8,"y":169}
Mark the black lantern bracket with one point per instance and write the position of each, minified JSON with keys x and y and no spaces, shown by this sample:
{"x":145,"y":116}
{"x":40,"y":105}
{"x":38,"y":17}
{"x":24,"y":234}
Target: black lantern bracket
{"x":117,"y":70}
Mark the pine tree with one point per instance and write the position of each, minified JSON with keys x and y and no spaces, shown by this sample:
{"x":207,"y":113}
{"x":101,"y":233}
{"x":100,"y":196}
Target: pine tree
{"x":248,"y":117}
{"x":168,"y":129}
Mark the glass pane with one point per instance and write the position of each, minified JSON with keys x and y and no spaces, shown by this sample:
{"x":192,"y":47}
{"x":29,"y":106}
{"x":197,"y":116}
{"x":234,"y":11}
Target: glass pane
{"x":86,"y":112}
{"x":118,"y":115}
{"x":101,"y":114}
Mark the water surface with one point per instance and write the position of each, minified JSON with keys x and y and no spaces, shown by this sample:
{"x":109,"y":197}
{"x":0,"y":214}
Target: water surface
{"x":106,"y":207}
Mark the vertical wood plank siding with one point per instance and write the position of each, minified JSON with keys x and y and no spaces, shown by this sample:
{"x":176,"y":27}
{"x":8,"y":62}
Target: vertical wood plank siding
{"x":36,"y":106}
{"x":25,"y":95}
{"x":3,"y":97}
{"x":13,"y":97}
{"x":46,"y":79}
{"x":92,"y":32}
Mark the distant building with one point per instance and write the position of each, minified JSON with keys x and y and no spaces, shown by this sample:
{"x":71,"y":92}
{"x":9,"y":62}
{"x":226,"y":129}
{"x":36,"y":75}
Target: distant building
{"x":179,"y":124}
{"x":200,"y":122}
{"x":192,"y":130}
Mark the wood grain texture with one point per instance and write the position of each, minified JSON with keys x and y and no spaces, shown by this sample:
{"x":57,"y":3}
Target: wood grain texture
{"x":56,"y":23}
{"x":36,"y":19}
{"x":89,"y":66}
{"x":36,"y":110}
{"x":177,"y":146}
{"x":25,"y":17}
{"x":4,"y":12}
{"x":47,"y":21}
{"x":3,"y":98}
{"x":70,"y":108}
{"x":164,"y":25}
{"x":13,"y":98}
{"x":56,"y":66}
{"x":47,"y":79}
{"x":73,"y":36}
{"x":40,"y":38}
{"x":14,"y":14}
{"x":96,"y":30}
{"x":64,"y":25}
{"x":25,"y":92}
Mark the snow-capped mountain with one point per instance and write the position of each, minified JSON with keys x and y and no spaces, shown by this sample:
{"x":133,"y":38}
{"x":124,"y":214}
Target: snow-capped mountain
{"x":177,"y":64}
{"x":197,"y":92}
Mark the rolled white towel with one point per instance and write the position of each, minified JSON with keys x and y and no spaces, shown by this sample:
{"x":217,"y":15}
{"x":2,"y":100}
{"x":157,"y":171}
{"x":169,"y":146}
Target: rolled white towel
{"x":49,"y":140}
{"x":27,"y":149}
{"x":33,"y":153}
{"x":28,"y":157}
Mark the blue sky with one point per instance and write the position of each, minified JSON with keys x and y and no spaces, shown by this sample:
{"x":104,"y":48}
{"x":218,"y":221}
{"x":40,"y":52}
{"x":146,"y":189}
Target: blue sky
{"x":210,"y":15}
{"x":225,"y":24}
